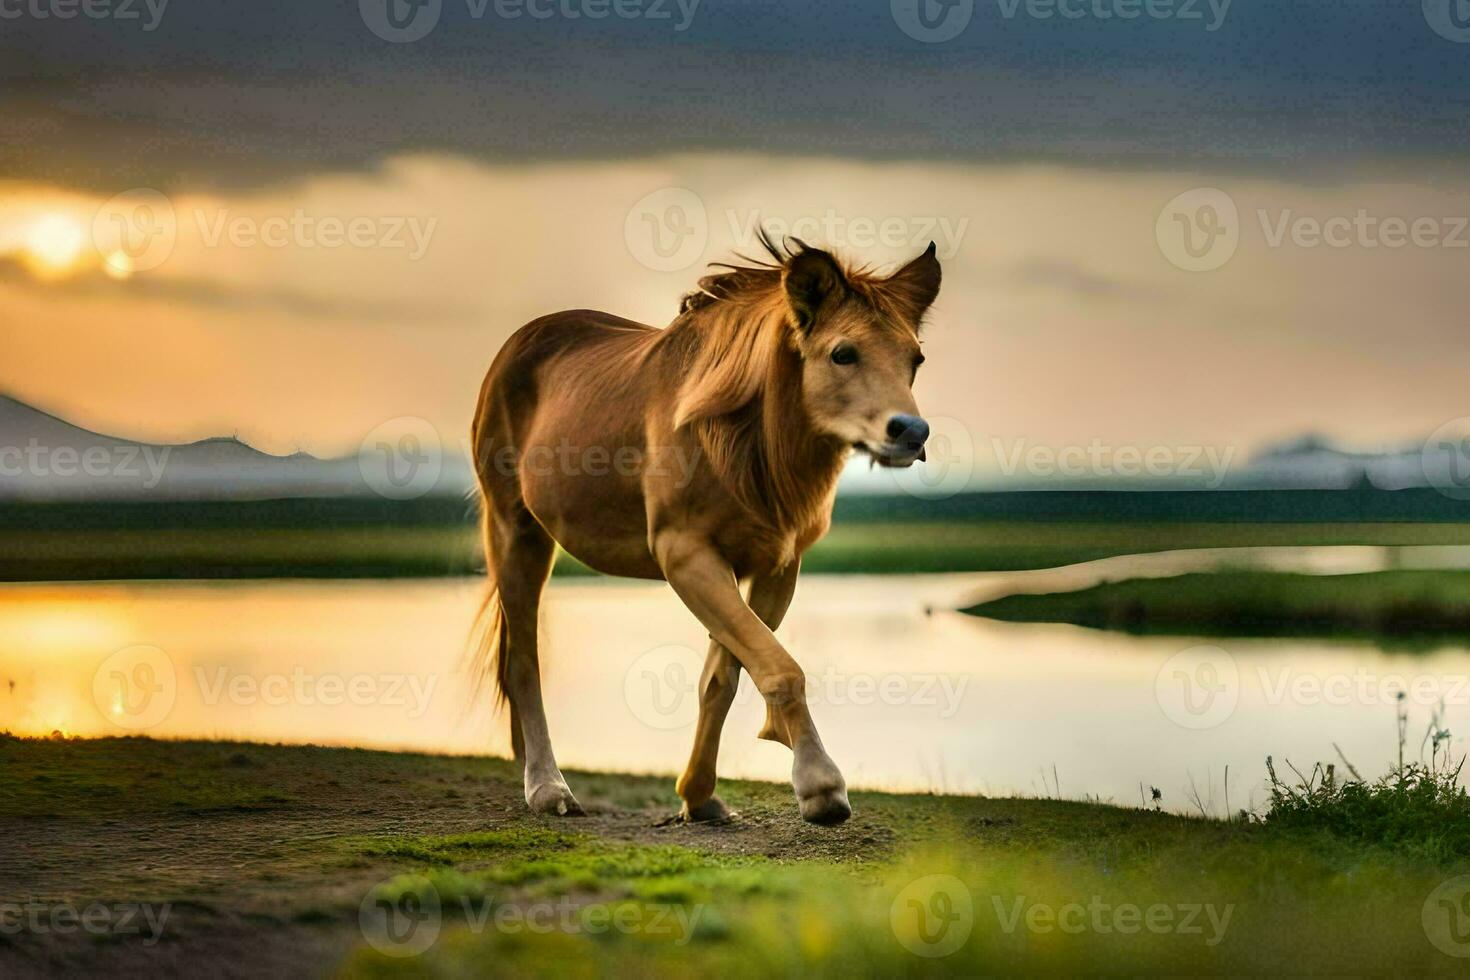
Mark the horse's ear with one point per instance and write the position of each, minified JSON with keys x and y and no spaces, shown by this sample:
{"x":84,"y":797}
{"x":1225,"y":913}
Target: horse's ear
{"x":914,"y":286}
{"x":813,"y":280}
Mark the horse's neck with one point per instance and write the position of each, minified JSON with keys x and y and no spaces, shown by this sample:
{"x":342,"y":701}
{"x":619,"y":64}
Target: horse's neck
{"x":802,"y":465}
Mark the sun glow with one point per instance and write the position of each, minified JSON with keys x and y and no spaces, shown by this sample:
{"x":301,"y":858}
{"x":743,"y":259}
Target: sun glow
{"x":54,"y":245}
{"x":117,"y":265}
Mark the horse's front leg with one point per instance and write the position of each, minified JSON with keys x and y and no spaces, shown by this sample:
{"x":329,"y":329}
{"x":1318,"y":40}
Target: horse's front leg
{"x":768,"y":598}
{"x":706,"y":583}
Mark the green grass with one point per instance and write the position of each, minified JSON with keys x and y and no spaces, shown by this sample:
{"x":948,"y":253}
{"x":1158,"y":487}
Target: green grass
{"x":555,"y":860}
{"x":1014,"y":545}
{"x":852,"y":547}
{"x":1418,"y":808}
{"x":1411,"y":608}
{"x":1225,"y":900}
{"x":237,"y":552}
{"x":1024,"y":885}
{"x":459,"y":847}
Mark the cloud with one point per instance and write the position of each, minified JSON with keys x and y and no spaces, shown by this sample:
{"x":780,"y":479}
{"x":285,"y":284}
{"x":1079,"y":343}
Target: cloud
{"x":254,"y":93}
{"x":204,"y":294}
{"x":312,"y":348}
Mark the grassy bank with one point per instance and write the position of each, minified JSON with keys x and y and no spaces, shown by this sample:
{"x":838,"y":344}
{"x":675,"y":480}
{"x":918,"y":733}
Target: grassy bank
{"x":365,"y":550}
{"x":292,"y":859}
{"x":1404,"y":607}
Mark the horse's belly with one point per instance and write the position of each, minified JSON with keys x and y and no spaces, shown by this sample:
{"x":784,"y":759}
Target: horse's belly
{"x":598,"y":518}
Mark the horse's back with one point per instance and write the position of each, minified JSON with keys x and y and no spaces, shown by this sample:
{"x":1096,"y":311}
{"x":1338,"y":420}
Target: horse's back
{"x":561,"y":414}
{"x":552,"y":350}
{"x":556,"y":334}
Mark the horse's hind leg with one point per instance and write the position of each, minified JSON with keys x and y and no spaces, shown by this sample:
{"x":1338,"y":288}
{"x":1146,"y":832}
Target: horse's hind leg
{"x":523,"y":552}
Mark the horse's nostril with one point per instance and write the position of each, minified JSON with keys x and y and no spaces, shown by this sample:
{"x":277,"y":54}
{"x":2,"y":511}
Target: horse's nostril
{"x":909,"y":431}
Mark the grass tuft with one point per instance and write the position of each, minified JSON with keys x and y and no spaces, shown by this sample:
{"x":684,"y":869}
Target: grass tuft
{"x":1419,"y":807}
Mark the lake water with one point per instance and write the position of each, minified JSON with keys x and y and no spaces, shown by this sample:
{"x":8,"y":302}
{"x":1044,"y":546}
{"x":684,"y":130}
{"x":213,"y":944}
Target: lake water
{"x":907,"y":693}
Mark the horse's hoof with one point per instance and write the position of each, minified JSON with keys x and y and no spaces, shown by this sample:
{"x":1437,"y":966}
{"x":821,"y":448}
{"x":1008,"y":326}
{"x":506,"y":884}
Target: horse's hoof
{"x":712,"y":810}
{"x":826,"y":808}
{"x":554,"y":799}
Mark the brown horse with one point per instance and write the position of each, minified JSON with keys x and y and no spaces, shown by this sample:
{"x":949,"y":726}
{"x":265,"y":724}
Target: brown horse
{"x":703,"y":454}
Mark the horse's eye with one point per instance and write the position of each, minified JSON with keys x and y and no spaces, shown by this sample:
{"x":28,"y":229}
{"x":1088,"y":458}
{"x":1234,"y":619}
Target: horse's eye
{"x":918,"y":359}
{"x":844,"y":354}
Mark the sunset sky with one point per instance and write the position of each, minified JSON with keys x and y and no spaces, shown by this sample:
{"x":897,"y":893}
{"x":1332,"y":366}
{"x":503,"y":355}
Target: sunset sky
{"x":341,"y":230}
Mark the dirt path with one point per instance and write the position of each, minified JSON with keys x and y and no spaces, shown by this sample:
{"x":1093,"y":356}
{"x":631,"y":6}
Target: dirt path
{"x":238,"y":839}
{"x":132,"y":857}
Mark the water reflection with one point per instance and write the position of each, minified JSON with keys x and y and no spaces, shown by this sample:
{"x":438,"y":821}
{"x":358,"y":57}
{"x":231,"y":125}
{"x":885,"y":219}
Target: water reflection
{"x":908,"y":694}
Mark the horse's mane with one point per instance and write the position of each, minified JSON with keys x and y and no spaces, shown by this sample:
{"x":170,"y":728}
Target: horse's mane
{"x":741,"y":398}
{"x":763,"y":275}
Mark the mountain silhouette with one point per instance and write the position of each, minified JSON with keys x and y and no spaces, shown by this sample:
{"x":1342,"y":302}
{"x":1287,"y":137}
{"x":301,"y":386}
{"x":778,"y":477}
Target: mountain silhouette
{"x":45,"y":457}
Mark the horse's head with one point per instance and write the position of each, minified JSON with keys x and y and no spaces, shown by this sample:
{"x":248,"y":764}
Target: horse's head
{"x":858,"y":336}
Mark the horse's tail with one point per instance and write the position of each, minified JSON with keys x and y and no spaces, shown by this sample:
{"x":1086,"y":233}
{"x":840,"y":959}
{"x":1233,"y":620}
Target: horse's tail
{"x":489,"y":640}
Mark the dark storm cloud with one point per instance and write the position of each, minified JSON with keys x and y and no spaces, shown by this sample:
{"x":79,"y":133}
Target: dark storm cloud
{"x":230,"y":93}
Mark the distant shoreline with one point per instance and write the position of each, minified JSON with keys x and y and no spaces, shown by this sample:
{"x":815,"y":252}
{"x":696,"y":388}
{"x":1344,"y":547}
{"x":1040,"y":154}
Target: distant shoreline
{"x":1401,"y":608}
{"x":437,"y":536}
